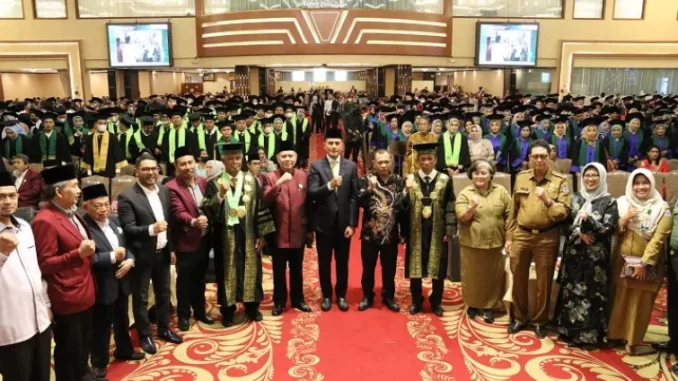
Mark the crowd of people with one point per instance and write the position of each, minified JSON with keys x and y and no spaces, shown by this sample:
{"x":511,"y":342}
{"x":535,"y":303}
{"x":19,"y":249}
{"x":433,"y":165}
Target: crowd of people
{"x":237,"y":182}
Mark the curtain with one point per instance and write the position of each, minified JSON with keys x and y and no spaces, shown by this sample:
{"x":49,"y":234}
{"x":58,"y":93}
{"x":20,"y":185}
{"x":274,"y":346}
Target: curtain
{"x":589,"y":81}
{"x":65,"y":77}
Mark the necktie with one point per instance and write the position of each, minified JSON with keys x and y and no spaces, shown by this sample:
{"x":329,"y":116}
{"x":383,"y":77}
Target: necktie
{"x":427,"y":179}
{"x":334,"y":164}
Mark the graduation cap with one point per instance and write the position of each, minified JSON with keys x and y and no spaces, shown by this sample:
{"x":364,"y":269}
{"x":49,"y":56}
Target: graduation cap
{"x":425,"y":148}
{"x":525,"y":123}
{"x":607,"y":98}
{"x":253,"y":155}
{"x":617,"y":122}
{"x":94,"y":191}
{"x":333,"y":133}
{"x":181,"y":152}
{"x":593,"y":121}
{"x":127,"y":120}
{"x":239,"y":117}
{"x":208,"y":117}
{"x":579,"y":98}
{"x":287,"y":145}
{"x":56,"y":174}
{"x":113,"y":110}
{"x":177,"y":111}
{"x":234,"y":148}
{"x":266,"y":121}
{"x":594,"y":99}
{"x":48,"y":115}
{"x":561,"y":119}
{"x":147,"y":121}
{"x":455,"y":115}
{"x":195,"y":116}
{"x":550,"y":100}
{"x":610,"y":110}
{"x":495,"y":116}
{"x":628,"y":98}
{"x":635,"y":115}
{"x":6,"y":179}
{"x":50,"y":163}
{"x":543,"y":116}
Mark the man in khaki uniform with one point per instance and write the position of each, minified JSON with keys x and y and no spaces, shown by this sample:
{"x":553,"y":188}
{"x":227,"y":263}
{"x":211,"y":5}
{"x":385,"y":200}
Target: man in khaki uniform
{"x":423,"y":135}
{"x":541,"y":201}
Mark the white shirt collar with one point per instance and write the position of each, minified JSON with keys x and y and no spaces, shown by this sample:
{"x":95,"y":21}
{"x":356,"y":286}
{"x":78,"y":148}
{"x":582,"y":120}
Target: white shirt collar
{"x":332,"y":160}
{"x":149,"y":191}
{"x":102,"y":225}
{"x":48,"y":134}
{"x":432,"y":175}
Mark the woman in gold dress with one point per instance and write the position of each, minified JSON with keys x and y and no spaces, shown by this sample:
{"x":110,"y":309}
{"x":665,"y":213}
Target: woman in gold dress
{"x":482,"y":211}
{"x":644,"y":226}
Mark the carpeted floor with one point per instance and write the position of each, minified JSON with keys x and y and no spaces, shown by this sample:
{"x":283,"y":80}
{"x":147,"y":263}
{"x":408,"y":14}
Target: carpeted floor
{"x":381,"y":345}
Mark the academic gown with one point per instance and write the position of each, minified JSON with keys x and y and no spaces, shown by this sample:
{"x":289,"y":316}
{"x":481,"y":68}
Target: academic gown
{"x":634,"y":142}
{"x":9,"y":147}
{"x":464,"y":154}
{"x":662,"y":142}
{"x":210,"y":140}
{"x":500,"y":145}
{"x":115,"y":157}
{"x":426,"y":251}
{"x":250,"y":142}
{"x":562,"y":144}
{"x":270,"y":143}
{"x":128,"y":145}
{"x":518,"y":154}
{"x":617,"y":151}
{"x":62,"y":153}
{"x":595,"y":153}
{"x":190,"y":141}
{"x":149,"y":142}
{"x":298,"y":130}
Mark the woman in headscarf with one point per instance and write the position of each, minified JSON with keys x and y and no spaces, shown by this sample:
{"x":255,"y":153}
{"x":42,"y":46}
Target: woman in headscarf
{"x":14,"y":140}
{"x":615,"y":147}
{"x":644,"y":226}
{"x":478,"y":147}
{"x":581,"y":309}
{"x":588,"y":149}
{"x":634,"y":136}
{"x":560,"y":139}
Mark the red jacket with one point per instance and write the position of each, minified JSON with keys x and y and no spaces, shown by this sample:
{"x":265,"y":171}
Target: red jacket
{"x":289,"y":207}
{"x":69,"y":277}
{"x":30,"y":190}
{"x":184,"y":210}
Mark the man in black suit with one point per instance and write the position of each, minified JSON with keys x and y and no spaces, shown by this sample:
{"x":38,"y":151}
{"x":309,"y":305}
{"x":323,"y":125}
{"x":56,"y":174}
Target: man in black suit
{"x":110,"y":265}
{"x":143,"y":210}
{"x":333,"y":189}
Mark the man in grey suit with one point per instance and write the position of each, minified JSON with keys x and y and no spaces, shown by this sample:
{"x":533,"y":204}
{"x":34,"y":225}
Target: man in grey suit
{"x":143,"y":211}
{"x":110,"y":264}
{"x":333,"y":189}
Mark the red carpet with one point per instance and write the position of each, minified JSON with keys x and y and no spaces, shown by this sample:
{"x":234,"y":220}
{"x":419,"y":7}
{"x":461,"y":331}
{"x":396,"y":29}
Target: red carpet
{"x":380,"y":345}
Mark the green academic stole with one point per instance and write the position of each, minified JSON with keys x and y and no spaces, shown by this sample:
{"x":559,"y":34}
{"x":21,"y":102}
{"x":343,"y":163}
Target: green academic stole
{"x":248,"y":140}
{"x":19,"y":145}
{"x":48,"y":152}
{"x":255,"y":128}
{"x":201,"y":139}
{"x":416,"y":208}
{"x":68,"y":131}
{"x":271,"y":144}
{"x":111,"y":128}
{"x":583,"y":149}
{"x":452,"y":157}
{"x":137,"y":139}
{"x":554,"y":140}
{"x":615,"y":150}
{"x":129,"y":134}
{"x":182,"y":141}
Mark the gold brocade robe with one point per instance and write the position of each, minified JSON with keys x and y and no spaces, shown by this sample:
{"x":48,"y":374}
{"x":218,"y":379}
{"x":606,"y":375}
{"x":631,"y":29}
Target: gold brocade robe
{"x":241,"y":260}
{"x":426,"y":252}
{"x":410,"y":163}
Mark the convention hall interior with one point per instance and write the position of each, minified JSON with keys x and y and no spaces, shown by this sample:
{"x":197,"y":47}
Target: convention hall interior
{"x":380,"y":53}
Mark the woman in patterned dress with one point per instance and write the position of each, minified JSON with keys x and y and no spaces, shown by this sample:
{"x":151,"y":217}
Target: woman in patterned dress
{"x":581,"y":316}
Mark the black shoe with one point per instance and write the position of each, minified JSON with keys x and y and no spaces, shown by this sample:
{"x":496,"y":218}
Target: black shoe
{"x":255,"y":316}
{"x":326,"y":304}
{"x":489,"y":316}
{"x":664,"y":347}
{"x":148,"y":346}
{"x":391,"y":304}
{"x":472,"y":312}
{"x":302,"y":306}
{"x":438,"y":310}
{"x":227,"y":322}
{"x":99,"y":373}
{"x":364,"y":304}
{"x":515,"y":327}
{"x":415,"y":309}
{"x":184,"y":324}
{"x":540,"y":331}
{"x":204,"y":318}
{"x":277,"y":309}
{"x":171,"y":337}
{"x":343,"y":304}
{"x":134,"y":356}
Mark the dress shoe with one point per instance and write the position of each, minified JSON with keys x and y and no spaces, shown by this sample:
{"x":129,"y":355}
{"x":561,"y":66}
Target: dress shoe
{"x":515,"y":327}
{"x":540,"y":331}
{"x":184,"y":324}
{"x":277,"y":309}
{"x":148,"y":346}
{"x":415,"y":309}
{"x":472,"y":312}
{"x":99,"y":373}
{"x":665,"y":346}
{"x":391,"y":305}
{"x":438,"y":310}
{"x":302,"y":306}
{"x":326,"y":304}
{"x":170,"y":337}
{"x":255,"y":316}
{"x":134,"y":356}
{"x":204,"y":319}
{"x":227,"y":322}
{"x":364,"y":304}
{"x":488,"y":316}
{"x":343,"y":304}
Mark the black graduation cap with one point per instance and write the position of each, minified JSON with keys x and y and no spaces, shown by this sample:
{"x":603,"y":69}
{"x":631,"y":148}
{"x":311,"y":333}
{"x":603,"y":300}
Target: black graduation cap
{"x":177,"y":111}
{"x":127,"y":120}
{"x":333,"y":133}
{"x":287,"y":145}
{"x":58,"y":173}
{"x":94,"y":191}
{"x":266,"y":121}
{"x":113,"y":110}
{"x":543,"y":116}
{"x":182,"y":151}
{"x":147,"y":120}
{"x":593,"y":121}
{"x":525,"y":123}
{"x":579,"y":98}
{"x":607,"y":98}
{"x":617,"y":122}
{"x":194,"y":116}
{"x":252,"y":155}
{"x":49,"y":115}
{"x":561,"y":119}
{"x":233,"y":148}
{"x":635,"y":115}
{"x":6,"y":179}
{"x":550,"y":100}
{"x":208,"y":117}
{"x":239,"y":117}
{"x":50,"y":163}
{"x":425,"y":148}
{"x":495,"y":116}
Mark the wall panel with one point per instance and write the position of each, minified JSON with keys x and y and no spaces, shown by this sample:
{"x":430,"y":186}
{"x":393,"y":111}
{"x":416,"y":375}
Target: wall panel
{"x":24,"y":85}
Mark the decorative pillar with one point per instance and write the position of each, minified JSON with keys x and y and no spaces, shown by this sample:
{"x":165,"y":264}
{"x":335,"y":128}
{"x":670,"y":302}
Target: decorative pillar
{"x":381,"y":81}
{"x":273,"y":76}
{"x":242,"y":80}
{"x":403,"y":79}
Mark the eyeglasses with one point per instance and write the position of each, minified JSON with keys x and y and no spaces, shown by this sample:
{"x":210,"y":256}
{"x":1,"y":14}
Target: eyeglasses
{"x":147,"y":170}
{"x":591,"y":176}
{"x":539,"y":157}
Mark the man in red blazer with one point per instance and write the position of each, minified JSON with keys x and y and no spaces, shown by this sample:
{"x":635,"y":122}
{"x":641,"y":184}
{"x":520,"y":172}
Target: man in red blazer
{"x":65,"y":248}
{"x":192,"y":238}
{"x":27,"y":181}
{"x":285,"y":194}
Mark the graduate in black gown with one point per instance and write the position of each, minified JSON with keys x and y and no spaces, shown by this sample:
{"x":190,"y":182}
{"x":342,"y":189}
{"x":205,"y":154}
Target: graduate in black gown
{"x":49,"y":144}
{"x":103,"y":155}
{"x":14,"y":141}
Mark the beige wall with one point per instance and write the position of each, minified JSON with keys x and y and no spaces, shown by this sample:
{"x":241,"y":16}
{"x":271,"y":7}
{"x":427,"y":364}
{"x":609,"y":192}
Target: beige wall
{"x":221,"y":81}
{"x":145,"y":83}
{"x":421,"y":85}
{"x":24,"y":85}
{"x":166,"y":82}
{"x":99,"y":84}
{"x":389,"y":81}
{"x":627,"y":62}
{"x":471,"y":80}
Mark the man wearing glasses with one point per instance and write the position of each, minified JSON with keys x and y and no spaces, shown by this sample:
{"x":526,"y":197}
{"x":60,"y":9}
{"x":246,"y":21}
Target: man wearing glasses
{"x":541,"y":201}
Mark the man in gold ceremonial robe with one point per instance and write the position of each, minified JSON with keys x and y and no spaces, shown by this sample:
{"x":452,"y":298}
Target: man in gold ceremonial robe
{"x":423,"y":135}
{"x":240,"y":223}
{"x":103,"y":154}
{"x":541,"y":201}
{"x":429,"y":220}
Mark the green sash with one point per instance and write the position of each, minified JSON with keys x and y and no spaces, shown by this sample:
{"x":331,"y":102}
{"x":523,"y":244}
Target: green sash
{"x":19,"y":145}
{"x":129,"y":134}
{"x":452,"y":157}
{"x":182,"y":141}
{"x":271,"y":144}
{"x":48,"y":152}
{"x":583,"y":149}
{"x":233,"y":196}
{"x":304,"y":125}
{"x":137,"y":139}
{"x":615,"y":151}
{"x":248,"y":139}
{"x":201,"y":139}
{"x":255,"y":128}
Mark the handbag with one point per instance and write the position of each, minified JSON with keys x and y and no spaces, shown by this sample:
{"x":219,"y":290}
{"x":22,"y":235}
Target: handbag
{"x":628,"y":269}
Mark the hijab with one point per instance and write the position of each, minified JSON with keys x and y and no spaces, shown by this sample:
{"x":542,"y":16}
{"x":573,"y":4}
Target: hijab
{"x":590,"y":196}
{"x":218,"y":169}
{"x":650,"y":210}
{"x":16,"y":128}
